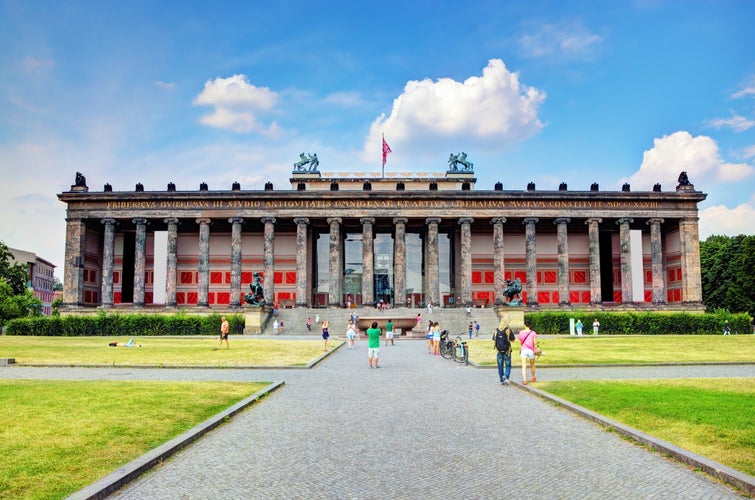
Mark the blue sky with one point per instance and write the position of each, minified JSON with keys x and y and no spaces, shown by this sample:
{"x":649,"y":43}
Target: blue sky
{"x":544,"y":91}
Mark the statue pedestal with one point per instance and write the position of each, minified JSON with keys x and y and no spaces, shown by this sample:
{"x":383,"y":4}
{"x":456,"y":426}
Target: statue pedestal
{"x":254,"y":318}
{"x":513,"y":315}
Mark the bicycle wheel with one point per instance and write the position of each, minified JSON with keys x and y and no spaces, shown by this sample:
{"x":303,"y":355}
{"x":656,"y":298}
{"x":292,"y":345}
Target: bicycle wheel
{"x":461,"y":353}
{"x":447,"y":349}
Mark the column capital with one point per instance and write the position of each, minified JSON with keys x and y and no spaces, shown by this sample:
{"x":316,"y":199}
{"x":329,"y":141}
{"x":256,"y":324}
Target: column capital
{"x":204,"y":220}
{"x":400,"y":220}
{"x":498,"y":220}
{"x":107,"y":221}
{"x":466,"y":220}
{"x":301,"y":220}
{"x":266,"y":220}
{"x":367,"y":220}
{"x":530,"y":220}
{"x":139,"y":220}
{"x":432,"y":220}
{"x":625,"y":220}
{"x":334,"y":220}
{"x":562,"y":220}
{"x":234,"y":220}
{"x":171,"y":220}
{"x":596,"y":220}
{"x":654,"y":220}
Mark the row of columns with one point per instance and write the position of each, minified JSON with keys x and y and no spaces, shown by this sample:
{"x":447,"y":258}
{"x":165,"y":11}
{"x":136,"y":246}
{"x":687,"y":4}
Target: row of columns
{"x":689,"y":250}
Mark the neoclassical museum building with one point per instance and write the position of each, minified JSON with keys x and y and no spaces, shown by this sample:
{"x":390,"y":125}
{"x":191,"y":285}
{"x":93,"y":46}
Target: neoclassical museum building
{"x":407,"y":239}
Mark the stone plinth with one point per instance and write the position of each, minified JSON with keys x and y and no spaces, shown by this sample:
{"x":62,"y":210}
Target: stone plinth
{"x":254,"y":318}
{"x":405,"y":324}
{"x":7,"y":361}
{"x":514,"y":316}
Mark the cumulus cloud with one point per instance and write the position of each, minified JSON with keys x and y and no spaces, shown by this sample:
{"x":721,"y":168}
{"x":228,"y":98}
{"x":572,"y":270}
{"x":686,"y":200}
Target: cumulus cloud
{"x":736,"y":123}
{"x":698,"y":156}
{"x":722,"y":220}
{"x":237,"y":105}
{"x":571,"y":42}
{"x":492,"y":111}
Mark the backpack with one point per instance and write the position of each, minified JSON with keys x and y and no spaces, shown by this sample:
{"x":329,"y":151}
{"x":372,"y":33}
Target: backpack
{"x":503,"y":340}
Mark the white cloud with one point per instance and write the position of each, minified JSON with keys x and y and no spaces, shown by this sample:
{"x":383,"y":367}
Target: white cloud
{"x":237,"y":105}
{"x":748,"y":152}
{"x":493,"y":110}
{"x":748,"y":89}
{"x":680,"y":152}
{"x":165,"y":85}
{"x":736,"y":123}
{"x":722,"y":220}
{"x":571,"y":42}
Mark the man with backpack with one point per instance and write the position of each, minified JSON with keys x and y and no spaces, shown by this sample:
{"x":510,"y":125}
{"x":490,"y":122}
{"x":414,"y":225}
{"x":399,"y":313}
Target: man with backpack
{"x":502,"y":339}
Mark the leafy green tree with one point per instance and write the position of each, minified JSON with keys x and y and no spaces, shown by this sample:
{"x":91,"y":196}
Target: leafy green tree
{"x":17,"y":305}
{"x":15,"y":274}
{"x":57,"y":285}
{"x":728,"y":273}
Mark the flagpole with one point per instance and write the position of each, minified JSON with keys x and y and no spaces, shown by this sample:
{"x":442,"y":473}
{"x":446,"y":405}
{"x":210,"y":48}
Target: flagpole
{"x":382,"y":175}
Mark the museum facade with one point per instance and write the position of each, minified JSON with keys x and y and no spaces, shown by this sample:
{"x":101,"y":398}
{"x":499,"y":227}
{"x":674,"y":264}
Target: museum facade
{"x":340,"y":239}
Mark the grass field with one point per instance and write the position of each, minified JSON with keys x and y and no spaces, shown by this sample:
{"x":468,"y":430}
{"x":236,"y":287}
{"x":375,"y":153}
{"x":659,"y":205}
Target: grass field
{"x":58,"y":436}
{"x":711,"y":417}
{"x":160,"y":351}
{"x":629,"y":349}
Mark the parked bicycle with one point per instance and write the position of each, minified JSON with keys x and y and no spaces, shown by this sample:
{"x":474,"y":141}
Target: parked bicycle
{"x":461,"y":350}
{"x":446,"y":345}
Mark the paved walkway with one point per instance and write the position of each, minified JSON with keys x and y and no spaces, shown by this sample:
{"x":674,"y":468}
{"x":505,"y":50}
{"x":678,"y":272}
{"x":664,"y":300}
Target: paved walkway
{"x":417,"y":427}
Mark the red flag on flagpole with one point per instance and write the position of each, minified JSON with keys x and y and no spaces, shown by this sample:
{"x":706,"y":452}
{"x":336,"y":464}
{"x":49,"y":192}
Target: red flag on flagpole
{"x":386,"y":150}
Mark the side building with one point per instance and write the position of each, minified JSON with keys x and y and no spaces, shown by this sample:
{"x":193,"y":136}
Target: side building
{"x":333,"y":239}
{"x":41,"y":274}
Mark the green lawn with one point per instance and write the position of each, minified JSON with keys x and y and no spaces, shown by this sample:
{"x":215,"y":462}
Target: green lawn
{"x":57,"y":437}
{"x":160,"y":351}
{"x":628,"y":349}
{"x":710,"y":417}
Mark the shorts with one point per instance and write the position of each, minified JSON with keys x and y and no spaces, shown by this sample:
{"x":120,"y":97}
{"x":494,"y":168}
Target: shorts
{"x":223,"y":336}
{"x":325,"y":335}
{"x":373,"y":352}
{"x":526,"y":353}
{"x":351,"y":335}
{"x":389,"y":335}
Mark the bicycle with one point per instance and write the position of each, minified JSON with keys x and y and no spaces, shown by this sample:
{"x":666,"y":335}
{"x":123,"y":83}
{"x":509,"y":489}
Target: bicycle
{"x":446,"y":345}
{"x":461,"y":350}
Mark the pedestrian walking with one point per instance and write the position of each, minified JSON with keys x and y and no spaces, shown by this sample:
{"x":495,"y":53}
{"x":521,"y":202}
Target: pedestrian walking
{"x":324,"y":326}
{"x":389,"y":332}
{"x":373,"y":345}
{"x":470,"y":329}
{"x":276,"y":325}
{"x":280,"y":326}
{"x":309,"y":324}
{"x":579,"y":328}
{"x":595,"y":326}
{"x":469,"y":312}
{"x":727,"y":329}
{"x":436,"y":338}
{"x":317,"y":317}
{"x":527,"y":352}
{"x":224,"y":328}
{"x":429,"y":308}
{"x":502,"y":339}
{"x":351,"y":333}
{"x":476,"y":330}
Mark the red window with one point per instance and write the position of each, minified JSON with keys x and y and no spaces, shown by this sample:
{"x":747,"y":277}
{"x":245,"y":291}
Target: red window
{"x":216,"y":277}
{"x":211,"y":298}
{"x":648,"y":296}
{"x":574,"y":297}
{"x":191,"y":298}
{"x":227,"y":277}
{"x":187,"y":277}
{"x":489,"y":277}
{"x":617,"y":295}
{"x":544,"y":297}
{"x":148,"y":297}
{"x":116,"y":297}
{"x":291,"y":278}
{"x":116,"y":277}
{"x":580,"y":277}
{"x":245,"y":278}
{"x":180,"y":298}
{"x":521,"y":275}
{"x":550,"y":276}
{"x":278,"y":277}
{"x":223,"y":297}
{"x":476,"y":277}
{"x":585,"y":297}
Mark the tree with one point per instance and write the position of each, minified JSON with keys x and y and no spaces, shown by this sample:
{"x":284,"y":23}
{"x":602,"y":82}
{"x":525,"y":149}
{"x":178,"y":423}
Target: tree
{"x":57,"y":285}
{"x":15,"y":274}
{"x":728,"y":273}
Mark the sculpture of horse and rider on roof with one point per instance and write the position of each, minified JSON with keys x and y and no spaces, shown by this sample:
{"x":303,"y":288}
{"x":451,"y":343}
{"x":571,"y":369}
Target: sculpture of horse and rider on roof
{"x":460,"y":159}
{"x":311,"y":160}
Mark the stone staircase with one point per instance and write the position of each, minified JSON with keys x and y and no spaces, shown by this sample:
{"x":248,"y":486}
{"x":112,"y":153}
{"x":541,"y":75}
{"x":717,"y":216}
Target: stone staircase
{"x":451,"y":319}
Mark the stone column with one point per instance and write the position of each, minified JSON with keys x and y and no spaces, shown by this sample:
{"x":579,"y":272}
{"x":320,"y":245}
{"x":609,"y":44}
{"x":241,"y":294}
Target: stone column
{"x":627,"y":296}
{"x":334,"y":262}
{"x":73,"y":273}
{"x":466,"y":260}
{"x":368,"y":260}
{"x":399,"y":263}
{"x":140,"y":257}
{"x":689,"y":235}
{"x":656,"y":266}
{"x":203,"y":284}
{"x":268,"y":260}
{"x":432,"y":266}
{"x":171,"y":270}
{"x":593,"y":231}
{"x":498,"y":258}
{"x":236,"y":223}
{"x":530,"y":265}
{"x":563,"y":261}
{"x":302,"y":290}
{"x":108,"y":251}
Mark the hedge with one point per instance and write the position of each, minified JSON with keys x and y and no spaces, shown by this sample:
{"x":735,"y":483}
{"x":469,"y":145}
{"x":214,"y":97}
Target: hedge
{"x":115,"y":325}
{"x":640,"y":323}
